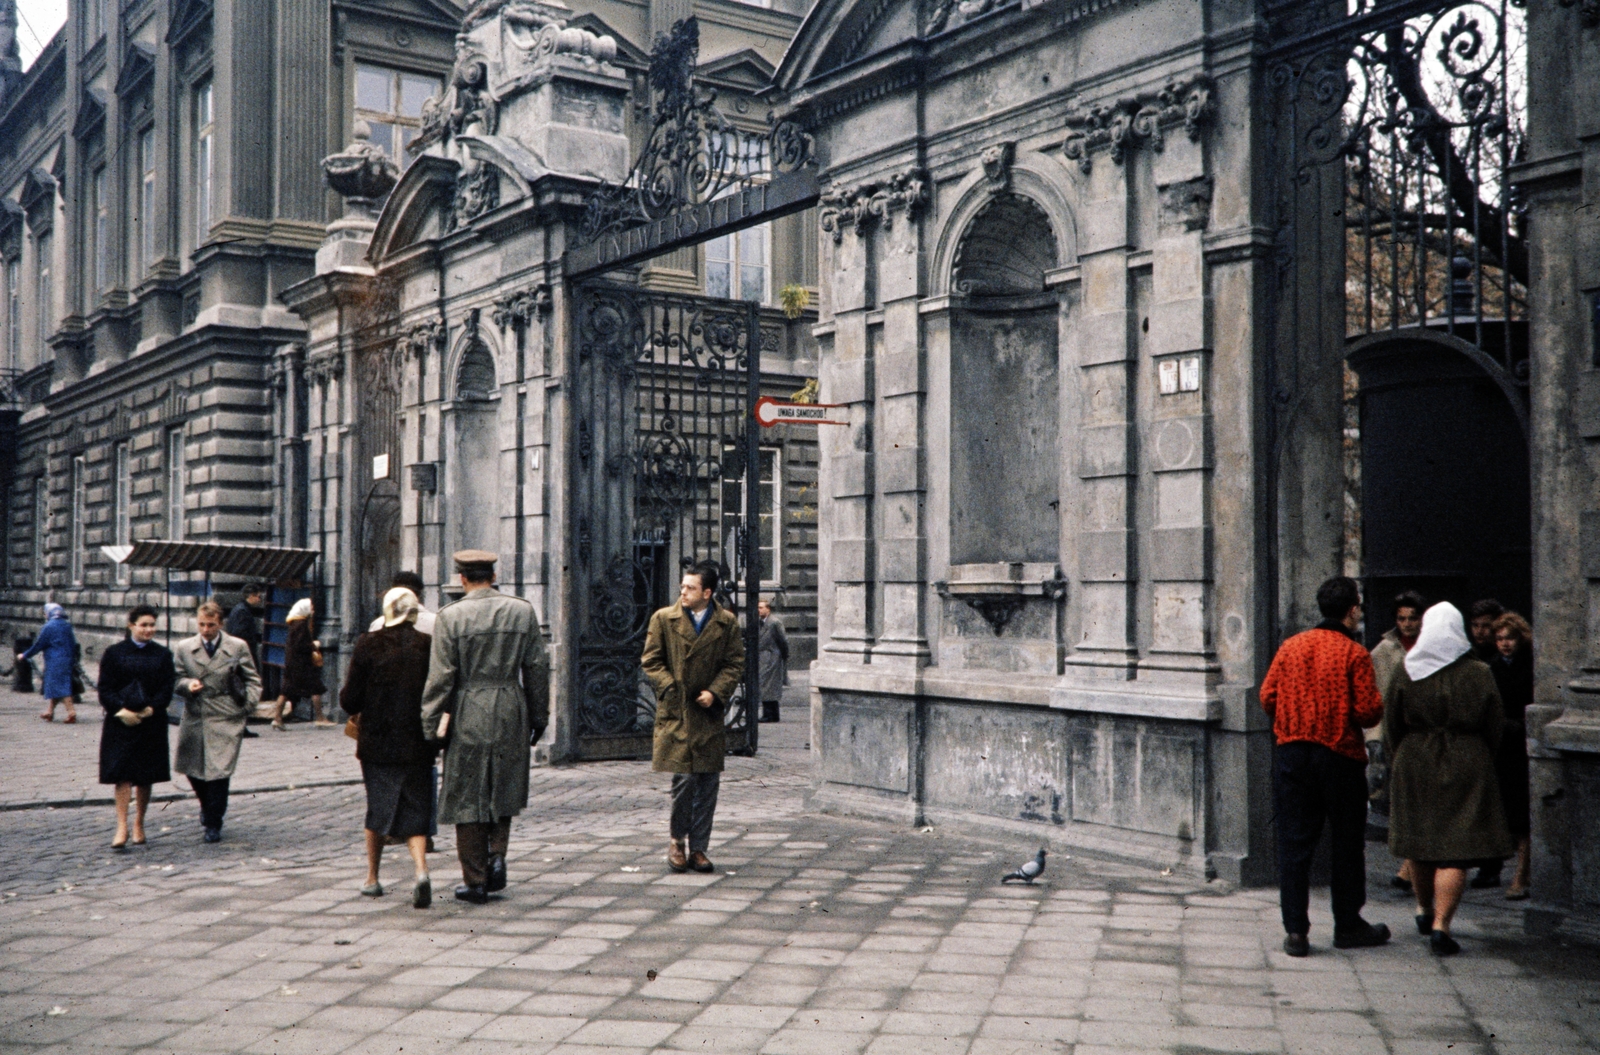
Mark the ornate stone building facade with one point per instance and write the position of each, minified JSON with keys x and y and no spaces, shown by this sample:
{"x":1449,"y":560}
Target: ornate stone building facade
{"x":161,"y":187}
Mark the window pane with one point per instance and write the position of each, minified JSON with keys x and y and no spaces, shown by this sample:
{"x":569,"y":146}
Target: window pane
{"x":414,"y":91}
{"x":720,"y":249}
{"x":753,"y":246}
{"x":718,"y":277}
{"x":383,"y":136}
{"x":752,"y":283}
{"x":374,"y":89}
{"x":203,"y":106}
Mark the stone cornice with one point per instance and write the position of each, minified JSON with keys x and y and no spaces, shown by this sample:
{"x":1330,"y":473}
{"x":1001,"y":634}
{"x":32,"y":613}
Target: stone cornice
{"x":868,"y":204}
{"x":530,"y":305}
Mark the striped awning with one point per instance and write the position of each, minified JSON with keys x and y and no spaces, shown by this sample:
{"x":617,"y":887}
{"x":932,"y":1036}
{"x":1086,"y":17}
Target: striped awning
{"x":268,"y":563}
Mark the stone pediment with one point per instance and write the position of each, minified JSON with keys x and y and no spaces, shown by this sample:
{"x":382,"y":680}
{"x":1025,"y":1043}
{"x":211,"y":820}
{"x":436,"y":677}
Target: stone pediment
{"x":438,"y":196}
{"x":440,"y":12}
{"x":414,"y":211}
{"x":187,"y":16}
{"x":745,"y":70}
{"x":838,"y":32}
{"x":138,"y":66}
{"x":38,"y":189}
{"x":91,"y":114}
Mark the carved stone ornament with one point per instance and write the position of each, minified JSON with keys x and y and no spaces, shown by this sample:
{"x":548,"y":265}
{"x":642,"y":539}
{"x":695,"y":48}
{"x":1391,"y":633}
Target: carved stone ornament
{"x":530,"y":305}
{"x":426,"y":336}
{"x":1118,"y":126}
{"x":476,"y":192}
{"x":948,"y":14}
{"x":997,"y":161}
{"x":1588,"y":10}
{"x":874,"y":202}
{"x":1187,"y":204}
{"x":361,"y":173}
{"x":325,"y":366}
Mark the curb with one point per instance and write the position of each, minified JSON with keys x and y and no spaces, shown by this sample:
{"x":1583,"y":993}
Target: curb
{"x":169,"y":796}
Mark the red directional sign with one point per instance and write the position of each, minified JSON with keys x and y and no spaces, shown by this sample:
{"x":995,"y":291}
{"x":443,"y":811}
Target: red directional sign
{"x":770,"y":412}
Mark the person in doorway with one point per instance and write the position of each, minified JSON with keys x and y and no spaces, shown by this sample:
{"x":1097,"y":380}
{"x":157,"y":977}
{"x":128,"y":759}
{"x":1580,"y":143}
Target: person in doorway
{"x":302,"y":667}
{"x":1320,"y":692}
{"x":774,"y":653}
{"x":1387,"y":657}
{"x":136,"y":681}
{"x":1513,"y":678}
{"x":409,"y":580}
{"x":694,"y":657}
{"x":1442,"y":728}
{"x":59,"y":646}
{"x":383,"y":690}
{"x":488,"y":699}
{"x":1480,"y":624}
{"x":220,"y":686}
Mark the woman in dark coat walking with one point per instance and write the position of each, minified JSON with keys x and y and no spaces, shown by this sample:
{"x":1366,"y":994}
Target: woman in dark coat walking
{"x":383,"y":690}
{"x":1442,"y":725}
{"x":136,"y":680}
{"x":302,"y":667}
{"x":59,"y":645}
{"x":1513,"y":676}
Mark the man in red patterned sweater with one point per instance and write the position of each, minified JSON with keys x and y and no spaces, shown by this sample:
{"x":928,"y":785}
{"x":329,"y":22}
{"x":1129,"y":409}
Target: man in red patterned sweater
{"x":1320,"y":692}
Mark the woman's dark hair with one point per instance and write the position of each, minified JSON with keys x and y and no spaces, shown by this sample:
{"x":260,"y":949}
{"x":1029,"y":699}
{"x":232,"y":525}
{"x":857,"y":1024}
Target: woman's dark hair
{"x":410,"y":580}
{"x":1337,"y":596}
{"x":1410,"y":599}
{"x":707,"y":573}
{"x":139,"y":611}
{"x":1514,"y":622}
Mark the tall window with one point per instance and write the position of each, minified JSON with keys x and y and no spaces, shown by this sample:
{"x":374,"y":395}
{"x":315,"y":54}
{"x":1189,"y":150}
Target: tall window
{"x":101,"y":204}
{"x":79,"y":508}
{"x":204,"y":162}
{"x":390,"y":101}
{"x":123,"y":519}
{"x":147,"y":200}
{"x":13,"y":313}
{"x":738,"y":265}
{"x":175,"y":484}
{"x":41,"y":529}
{"x":768,"y":512}
{"x":46,"y":292}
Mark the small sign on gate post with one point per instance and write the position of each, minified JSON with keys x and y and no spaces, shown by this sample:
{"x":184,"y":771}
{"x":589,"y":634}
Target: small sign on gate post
{"x":770,"y":412}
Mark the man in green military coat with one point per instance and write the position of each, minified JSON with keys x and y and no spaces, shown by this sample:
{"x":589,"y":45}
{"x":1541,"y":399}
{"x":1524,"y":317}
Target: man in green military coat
{"x":488,"y":698}
{"x":694,"y":657}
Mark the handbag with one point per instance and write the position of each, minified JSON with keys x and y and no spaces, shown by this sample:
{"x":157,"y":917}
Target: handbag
{"x":352,"y":727}
{"x":237,"y":688}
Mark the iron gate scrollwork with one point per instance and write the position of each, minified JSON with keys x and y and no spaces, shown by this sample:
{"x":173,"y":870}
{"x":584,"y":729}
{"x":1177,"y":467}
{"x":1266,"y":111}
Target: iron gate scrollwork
{"x":664,"y":479}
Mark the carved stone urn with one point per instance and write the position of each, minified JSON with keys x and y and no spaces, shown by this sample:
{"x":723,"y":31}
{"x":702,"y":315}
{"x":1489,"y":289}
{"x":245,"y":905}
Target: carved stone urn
{"x":363,"y":175}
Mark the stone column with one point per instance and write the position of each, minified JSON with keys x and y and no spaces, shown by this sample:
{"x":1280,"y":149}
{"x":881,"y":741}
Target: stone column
{"x":1103,"y":618}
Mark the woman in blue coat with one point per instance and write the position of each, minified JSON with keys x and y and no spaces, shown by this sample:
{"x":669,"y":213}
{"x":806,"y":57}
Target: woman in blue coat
{"x":56,"y":641}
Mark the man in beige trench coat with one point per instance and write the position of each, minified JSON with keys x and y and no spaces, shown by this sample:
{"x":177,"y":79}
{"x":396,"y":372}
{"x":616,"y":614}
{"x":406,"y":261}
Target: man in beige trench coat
{"x":488,"y":698}
{"x":220,"y":686}
{"x":694,"y":657}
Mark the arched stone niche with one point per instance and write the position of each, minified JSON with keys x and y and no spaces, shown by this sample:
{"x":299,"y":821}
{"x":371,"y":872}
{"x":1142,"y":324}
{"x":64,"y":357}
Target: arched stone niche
{"x":1004,"y":365}
{"x":472,"y":472}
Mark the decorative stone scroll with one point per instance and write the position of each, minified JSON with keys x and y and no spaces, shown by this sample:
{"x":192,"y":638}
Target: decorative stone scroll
{"x":997,"y":161}
{"x":476,"y":192}
{"x":425,"y":337}
{"x":1119,"y":126}
{"x":325,"y":366}
{"x":530,"y":305}
{"x":874,"y":202}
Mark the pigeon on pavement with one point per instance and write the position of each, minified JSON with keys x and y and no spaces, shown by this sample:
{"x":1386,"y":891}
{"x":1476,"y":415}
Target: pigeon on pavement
{"x":1028,"y":872}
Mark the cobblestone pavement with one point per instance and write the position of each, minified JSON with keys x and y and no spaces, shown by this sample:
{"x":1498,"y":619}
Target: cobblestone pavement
{"x":817,"y":935}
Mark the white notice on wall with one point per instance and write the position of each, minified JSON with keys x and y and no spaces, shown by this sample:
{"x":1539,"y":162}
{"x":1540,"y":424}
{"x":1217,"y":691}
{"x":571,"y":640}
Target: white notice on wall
{"x":1167,"y":376}
{"x":1189,"y":373}
{"x":380,"y":467}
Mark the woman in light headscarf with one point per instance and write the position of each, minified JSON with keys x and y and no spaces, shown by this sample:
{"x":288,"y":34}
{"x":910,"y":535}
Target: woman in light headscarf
{"x":56,"y":640}
{"x":1442,"y":724}
{"x":383,"y":691}
{"x":302,"y":667}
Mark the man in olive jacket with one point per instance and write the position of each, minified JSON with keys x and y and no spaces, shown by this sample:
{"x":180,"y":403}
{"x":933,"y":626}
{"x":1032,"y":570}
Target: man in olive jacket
{"x":488,"y":698}
{"x":694,"y":657}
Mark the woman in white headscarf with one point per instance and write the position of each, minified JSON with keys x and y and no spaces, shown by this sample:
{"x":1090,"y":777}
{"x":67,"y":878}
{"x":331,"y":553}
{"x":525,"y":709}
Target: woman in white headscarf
{"x":302,"y":667}
{"x":1442,"y":723}
{"x":383,"y":691}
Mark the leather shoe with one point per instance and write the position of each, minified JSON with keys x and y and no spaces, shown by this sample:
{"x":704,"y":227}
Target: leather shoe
{"x":701,"y":863}
{"x":497,"y":874}
{"x":1365,"y":936}
{"x":1484,"y":880}
{"x":1424,"y":923}
{"x":675,"y":857}
{"x":1442,"y":944}
{"x":1296,"y":945}
{"x":477,"y":895}
{"x":213,"y":835}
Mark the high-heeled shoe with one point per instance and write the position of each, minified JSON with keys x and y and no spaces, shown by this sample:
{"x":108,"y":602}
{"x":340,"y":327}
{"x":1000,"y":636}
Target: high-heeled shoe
{"x":122,"y":846}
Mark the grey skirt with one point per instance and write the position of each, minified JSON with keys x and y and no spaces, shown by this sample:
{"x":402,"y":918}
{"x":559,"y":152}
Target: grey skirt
{"x":399,"y":799}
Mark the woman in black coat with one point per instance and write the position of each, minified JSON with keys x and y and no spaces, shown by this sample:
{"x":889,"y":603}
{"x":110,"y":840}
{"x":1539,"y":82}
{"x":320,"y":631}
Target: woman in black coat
{"x":136,"y":680}
{"x":302,"y":667}
{"x":1513,"y":676}
{"x":383,"y":690}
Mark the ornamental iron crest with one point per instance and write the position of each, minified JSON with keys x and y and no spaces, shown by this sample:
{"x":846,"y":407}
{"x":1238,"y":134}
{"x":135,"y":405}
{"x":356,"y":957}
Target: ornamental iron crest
{"x":694,"y":153}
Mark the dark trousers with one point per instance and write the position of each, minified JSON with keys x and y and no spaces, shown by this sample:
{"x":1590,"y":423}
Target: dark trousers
{"x":694,"y":806}
{"x":213,"y":796}
{"x":769,"y":710}
{"x":1312,"y":784}
{"x":476,"y":843}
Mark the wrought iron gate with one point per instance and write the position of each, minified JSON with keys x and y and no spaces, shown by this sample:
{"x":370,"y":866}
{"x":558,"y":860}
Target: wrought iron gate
{"x":1395,"y":128}
{"x":667,"y":475}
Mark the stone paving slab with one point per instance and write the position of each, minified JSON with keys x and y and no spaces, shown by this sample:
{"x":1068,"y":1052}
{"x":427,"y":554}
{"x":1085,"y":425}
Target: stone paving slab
{"x":817,"y":935}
